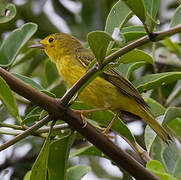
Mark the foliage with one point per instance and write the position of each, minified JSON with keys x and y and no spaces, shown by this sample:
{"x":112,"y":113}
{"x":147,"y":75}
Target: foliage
{"x":153,"y":68}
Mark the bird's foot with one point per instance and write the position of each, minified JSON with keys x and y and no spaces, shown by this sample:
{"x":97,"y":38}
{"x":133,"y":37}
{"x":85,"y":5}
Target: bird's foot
{"x":89,"y":111}
{"x":107,"y":129}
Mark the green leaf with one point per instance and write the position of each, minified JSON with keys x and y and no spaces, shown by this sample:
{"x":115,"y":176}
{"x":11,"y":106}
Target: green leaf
{"x":150,"y":135}
{"x":59,"y":90}
{"x":155,"y":165}
{"x":8,"y":99}
{"x":172,"y":118}
{"x":31,"y":118}
{"x":157,"y":168}
{"x":7,"y":12}
{"x":137,"y":6}
{"x":135,"y":55}
{"x":175,"y":125}
{"x":12,"y":45}
{"x":172,"y":46}
{"x":99,"y":116}
{"x":156,"y":108}
{"x":77,"y":172}
{"x":27,"y":175}
{"x":155,"y":80}
{"x":48,"y":93}
{"x":51,"y":72}
{"x":175,"y":21}
{"x":152,"y":7}
{"x":171,"y":113}
{"x":28,"y":81}
{"x":117,"y":17}
{"x":127,"y":69}
{"x":132,"y":33}
{"x":156,"y":149}
{"x":177,"y":172}
{"x":58,"y":157}
{"x":4,"y":113}
{"x":170,"y":155}
{"x":39,"y":169}
{"x":87,"y":151}
{"x":98,"y":42}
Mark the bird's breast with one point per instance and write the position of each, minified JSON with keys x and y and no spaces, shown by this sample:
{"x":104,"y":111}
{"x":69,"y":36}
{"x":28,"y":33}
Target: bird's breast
{"x":99,"y":93}
{"x":70,"y":70}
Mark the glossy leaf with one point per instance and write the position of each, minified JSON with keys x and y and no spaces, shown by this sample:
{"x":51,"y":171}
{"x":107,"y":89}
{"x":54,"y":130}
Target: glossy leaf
{"x":98,"y":42}
{"x":59,"y":90}
{"x":172,"y":46}
{"x":39,"y":169}
{"x":138,"y":8}
{"x":155,"y":80}
{"x":27,"y":175}
{"x":171,"y":113}
{"x":58,"y":157}
{"x":28,"y":81}
{"x":12,"y":45}
{"x":135,"y":55}
{"x":175,"y":125}
{"x":31,"y":119}
{"x":170,"y":155}
{"x":117,"y":17}
{"x":49,"y":93}
{"x":87,"y":151}
{"x":8,"y":99}
{"x":150,"y":135}
{"x":152,"y":7}
{"x":127,"y":69}
{"x":7,"y":12}
{"x":4,"y":113}
{"x":177,"y":168}
{"x":132,"y":33}
{"x":156,"y":149}
{"x":157,"y":168}
{"x":175,"y":21}
{"x":51,"y":72}
{"x":77,"y":172}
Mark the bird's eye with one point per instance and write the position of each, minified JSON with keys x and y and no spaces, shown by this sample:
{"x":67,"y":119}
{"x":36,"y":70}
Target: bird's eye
{"x":50,"y":40}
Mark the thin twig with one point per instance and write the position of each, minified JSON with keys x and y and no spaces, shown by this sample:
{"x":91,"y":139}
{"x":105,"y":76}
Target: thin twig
{"x":27,"y":132}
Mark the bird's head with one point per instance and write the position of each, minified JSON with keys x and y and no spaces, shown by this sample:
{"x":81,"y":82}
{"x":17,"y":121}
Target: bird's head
{"x":58,"y":45}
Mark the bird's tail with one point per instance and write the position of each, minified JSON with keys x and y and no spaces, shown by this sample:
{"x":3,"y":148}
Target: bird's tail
{"x":160,"y":130}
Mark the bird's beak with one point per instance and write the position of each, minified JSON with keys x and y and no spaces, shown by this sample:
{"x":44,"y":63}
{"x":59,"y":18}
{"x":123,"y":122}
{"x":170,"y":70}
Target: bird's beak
{"x":38,"y":46}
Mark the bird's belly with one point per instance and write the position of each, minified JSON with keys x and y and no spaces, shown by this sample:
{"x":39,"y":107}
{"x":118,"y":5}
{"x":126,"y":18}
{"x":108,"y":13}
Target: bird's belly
{"x":99,"y":93}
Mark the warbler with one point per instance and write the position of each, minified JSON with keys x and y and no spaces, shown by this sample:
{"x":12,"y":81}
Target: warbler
{"x":110,"y":90}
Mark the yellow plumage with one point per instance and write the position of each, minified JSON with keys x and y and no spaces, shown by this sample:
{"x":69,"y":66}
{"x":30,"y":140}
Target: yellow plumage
{"x":111,"y":90}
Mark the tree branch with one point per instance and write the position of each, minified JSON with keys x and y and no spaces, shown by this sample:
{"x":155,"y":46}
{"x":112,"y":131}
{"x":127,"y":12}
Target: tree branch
{"x":93,"y":135}
{"x":57,"y":111}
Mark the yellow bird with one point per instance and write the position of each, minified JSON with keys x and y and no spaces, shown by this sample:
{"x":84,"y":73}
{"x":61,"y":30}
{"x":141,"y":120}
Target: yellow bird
{"x":110,"y":90}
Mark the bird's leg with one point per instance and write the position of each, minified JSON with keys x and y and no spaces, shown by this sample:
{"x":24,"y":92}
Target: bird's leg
{"x":107,"y":129}
{"x":82,"y":112}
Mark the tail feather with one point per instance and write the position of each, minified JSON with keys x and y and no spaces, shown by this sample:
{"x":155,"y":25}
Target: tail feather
{"x":160,"y":130}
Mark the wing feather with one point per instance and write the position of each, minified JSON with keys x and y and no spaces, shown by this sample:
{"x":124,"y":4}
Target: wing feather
{"x":113,"y":76}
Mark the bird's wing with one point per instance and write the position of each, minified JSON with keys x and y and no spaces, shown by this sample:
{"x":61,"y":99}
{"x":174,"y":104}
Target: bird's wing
{"x":113,"y":76}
